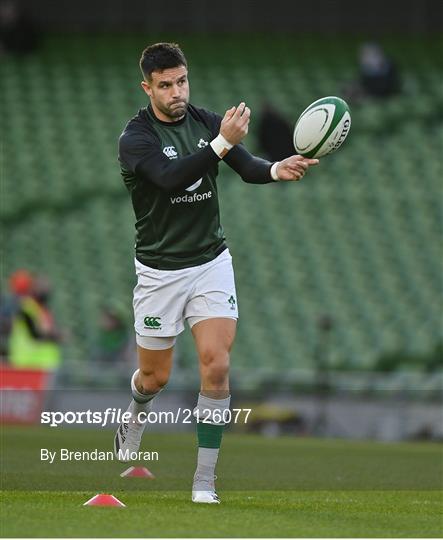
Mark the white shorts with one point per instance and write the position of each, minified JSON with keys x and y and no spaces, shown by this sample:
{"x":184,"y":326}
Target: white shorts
{"x":163,"y":299}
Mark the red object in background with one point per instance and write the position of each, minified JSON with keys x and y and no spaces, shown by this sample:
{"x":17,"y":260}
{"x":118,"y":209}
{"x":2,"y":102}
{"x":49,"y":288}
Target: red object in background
{"x":20,"y":282}
{"x":137,"y":472}
{"x":23,"y":392}
{"x":103,"y":499}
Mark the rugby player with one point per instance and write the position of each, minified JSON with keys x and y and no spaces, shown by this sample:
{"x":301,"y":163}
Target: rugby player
{"x":169,"y":155}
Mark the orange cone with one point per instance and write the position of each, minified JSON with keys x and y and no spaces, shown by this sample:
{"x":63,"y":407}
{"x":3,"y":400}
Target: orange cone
{"x":137,"y":472}
{"x":102,"y":499}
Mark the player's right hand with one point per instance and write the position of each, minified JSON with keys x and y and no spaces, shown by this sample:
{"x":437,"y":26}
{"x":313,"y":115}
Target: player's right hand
{"x":235,"y":123}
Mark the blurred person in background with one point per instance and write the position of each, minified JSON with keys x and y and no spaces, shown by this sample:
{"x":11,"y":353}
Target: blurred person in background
{"x":274,"y":133}
{"x":18,"y":33}
{"x":114,"y":339}
{"x":20,"y":283}
{"x":169,"y":156}
{"x":378,"y":78}
{"x":34,"y":340}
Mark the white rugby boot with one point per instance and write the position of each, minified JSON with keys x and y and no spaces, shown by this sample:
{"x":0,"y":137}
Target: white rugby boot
{"x":128,"y":436}
{"x":203,"y":490}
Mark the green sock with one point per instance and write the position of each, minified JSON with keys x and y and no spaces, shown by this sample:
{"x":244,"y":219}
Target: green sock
{"x":209,"y":439}
{"x":209,"y":435}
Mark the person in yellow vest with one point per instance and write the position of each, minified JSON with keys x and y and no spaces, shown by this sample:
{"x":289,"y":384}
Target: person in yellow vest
{"x":34,"y":341}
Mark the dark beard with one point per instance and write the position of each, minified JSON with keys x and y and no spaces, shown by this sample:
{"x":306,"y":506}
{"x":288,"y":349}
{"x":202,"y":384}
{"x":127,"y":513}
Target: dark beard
{"x":177,"y":112}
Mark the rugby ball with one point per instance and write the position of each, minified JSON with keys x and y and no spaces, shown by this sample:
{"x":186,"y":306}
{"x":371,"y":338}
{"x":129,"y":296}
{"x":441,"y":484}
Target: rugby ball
{"x":322,"y":127}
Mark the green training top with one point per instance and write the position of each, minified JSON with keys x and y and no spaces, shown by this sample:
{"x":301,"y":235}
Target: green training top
{"x":170,"y":171}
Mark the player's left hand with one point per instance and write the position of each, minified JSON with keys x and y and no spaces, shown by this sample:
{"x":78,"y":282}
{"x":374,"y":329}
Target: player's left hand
{"x":294,"y":167}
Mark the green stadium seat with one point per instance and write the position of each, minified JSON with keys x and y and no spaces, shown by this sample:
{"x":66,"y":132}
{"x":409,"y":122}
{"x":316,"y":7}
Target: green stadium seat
{"x":358,"y":240}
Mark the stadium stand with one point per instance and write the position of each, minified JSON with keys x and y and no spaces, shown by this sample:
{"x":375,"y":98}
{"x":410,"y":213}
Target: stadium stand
{"x":358,"y":240}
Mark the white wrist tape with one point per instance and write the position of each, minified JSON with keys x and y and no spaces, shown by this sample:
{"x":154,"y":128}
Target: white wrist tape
{"x":274,"y":174}
{"x":221,"y":146}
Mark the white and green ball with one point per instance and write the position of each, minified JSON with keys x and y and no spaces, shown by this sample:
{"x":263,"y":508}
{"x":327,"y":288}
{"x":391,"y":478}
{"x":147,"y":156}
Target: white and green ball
{"x":322,"y":127}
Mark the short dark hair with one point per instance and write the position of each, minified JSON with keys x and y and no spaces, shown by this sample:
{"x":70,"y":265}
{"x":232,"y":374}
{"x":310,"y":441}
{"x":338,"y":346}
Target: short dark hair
{"x":161,"y":56}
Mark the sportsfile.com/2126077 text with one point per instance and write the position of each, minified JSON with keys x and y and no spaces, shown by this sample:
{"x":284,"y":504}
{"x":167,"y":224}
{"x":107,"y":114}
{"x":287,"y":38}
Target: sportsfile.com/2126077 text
{"x":116,"y":416}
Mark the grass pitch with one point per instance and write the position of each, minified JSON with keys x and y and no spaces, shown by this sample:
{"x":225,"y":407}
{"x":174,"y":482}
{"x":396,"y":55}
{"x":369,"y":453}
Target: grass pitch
{"x":283,"y":487}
